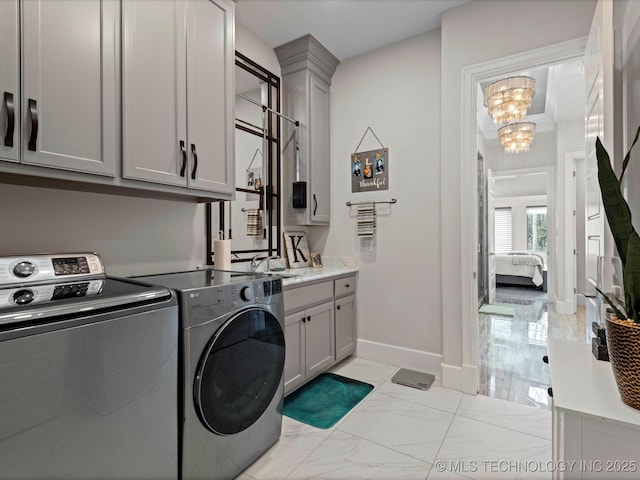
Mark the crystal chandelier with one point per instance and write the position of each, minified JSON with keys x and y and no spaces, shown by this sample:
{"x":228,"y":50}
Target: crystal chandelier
{"x":508,"y":99}
{"x":517,"y":137}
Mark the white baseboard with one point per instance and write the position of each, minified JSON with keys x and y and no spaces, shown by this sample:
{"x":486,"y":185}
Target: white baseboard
{"x":565,"y":308}
{"x":463,"y":379}
{"x":452,"y":377}
{"x":400,"y":356}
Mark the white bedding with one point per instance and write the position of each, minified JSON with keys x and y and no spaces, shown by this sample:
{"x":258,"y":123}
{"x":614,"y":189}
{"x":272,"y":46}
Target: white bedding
{"x":521,"y":264}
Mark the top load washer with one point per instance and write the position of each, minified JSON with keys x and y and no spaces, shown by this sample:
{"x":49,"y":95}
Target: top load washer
{"x":232,"y":326}
{"x":88,"y":372}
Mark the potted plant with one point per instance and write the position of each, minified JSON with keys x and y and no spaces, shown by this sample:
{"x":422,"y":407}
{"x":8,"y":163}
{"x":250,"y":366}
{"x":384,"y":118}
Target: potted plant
{"x":623,"y":326}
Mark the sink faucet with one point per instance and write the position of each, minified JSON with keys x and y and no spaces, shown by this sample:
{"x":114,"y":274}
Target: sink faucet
{"x":258,"y":260}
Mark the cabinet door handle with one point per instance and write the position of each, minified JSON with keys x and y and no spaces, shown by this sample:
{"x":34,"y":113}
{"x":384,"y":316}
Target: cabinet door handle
{"x":338,"y":307}
{"x":183,"y":149}
{"x":33,"y":115}
{"x":8,"y":105}
{"x":315,"y":204}
{"x":195,"y":161}
{"x":346,"y":286}
{"x":309,"y":319}
{"x":304,"y":319}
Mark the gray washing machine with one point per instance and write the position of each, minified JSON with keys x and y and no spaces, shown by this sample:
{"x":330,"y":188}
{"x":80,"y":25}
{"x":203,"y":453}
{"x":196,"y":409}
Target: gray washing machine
{"x":88,"y":372}
{"x":233,"y":350}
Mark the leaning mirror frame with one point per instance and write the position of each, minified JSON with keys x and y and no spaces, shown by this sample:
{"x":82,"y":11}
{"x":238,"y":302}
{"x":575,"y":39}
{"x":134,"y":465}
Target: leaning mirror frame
{"x":265,"y":188}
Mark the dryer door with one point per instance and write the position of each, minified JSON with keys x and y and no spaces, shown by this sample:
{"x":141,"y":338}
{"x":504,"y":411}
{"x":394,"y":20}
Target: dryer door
{"x":239,"y":372}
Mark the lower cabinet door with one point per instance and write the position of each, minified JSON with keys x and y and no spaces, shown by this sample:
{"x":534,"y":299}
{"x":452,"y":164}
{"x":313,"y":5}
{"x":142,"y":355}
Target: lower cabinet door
{"x":345,"y":326}
{"x":294,"y":362}
{"x":319,"y":338}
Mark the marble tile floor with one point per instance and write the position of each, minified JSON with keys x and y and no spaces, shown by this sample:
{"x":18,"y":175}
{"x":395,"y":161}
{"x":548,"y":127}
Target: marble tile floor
{"x":399,"y":432}
{"x":511,"y":348}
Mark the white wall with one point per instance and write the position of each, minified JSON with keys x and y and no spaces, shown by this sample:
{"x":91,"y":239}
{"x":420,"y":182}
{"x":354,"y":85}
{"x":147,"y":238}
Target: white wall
{"x":630,"y":14}
{"x":471,"y":34}
{"x":395,"y":91}
{"x":133,"y":235}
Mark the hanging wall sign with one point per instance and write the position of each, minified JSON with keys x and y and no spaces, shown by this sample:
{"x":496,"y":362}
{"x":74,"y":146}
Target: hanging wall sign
{"x":370,"y":170}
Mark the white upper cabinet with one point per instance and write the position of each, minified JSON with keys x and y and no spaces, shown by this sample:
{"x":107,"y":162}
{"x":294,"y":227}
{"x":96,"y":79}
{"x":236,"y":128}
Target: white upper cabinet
{"x":64,"y":112}
{"x":178,"y":93}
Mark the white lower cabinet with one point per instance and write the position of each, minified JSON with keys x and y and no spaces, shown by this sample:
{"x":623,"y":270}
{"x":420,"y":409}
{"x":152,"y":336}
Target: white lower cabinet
{"x":595,"y":435}
{"x":320,"y":328}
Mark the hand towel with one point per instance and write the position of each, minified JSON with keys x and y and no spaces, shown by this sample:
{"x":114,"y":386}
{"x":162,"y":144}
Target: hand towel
{"x":254,"y":222}
{"x":367,"y":220}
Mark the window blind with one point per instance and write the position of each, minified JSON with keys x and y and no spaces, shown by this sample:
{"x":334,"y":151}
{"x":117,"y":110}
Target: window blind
{"x":503,"y":230}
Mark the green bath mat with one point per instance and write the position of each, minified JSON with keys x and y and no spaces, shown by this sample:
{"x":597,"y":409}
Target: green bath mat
{"x":498,"y":309}
{"x":325,"y":400}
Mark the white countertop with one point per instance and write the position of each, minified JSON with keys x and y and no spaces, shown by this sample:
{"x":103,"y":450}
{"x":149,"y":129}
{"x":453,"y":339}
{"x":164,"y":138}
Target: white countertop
{"x":583,"y":384}
{"x":332,"y":267}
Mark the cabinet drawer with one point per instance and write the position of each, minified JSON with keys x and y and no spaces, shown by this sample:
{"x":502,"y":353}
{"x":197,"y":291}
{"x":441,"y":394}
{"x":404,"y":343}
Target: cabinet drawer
{"x":302,"y":297}
{"x":345,"y":286}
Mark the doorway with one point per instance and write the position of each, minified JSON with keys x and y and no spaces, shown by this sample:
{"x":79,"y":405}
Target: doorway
{"x":473,"y":78}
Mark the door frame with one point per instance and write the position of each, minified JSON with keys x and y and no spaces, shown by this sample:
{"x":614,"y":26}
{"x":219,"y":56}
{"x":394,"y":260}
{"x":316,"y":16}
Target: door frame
{"x":471,"y":78}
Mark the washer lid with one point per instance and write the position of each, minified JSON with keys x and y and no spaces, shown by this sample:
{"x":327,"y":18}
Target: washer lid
{"x":30,"y":303}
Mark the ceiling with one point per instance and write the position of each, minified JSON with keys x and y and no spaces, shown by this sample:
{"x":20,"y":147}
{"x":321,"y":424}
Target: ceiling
{"x":559,"y":96}
{"x":347,"y":28}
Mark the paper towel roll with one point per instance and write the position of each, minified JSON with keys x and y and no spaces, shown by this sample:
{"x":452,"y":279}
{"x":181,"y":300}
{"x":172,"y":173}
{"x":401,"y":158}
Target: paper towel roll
{"x":222,"y":254}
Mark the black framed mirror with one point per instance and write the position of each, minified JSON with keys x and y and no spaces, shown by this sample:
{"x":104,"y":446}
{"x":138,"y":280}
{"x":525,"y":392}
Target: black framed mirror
{"x":252,"y":221}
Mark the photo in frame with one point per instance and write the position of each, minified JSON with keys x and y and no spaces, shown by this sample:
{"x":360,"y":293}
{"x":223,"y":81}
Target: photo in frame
{"x":297,"y":249}
{"x":316,"y":260}
{"x":370,"y":170}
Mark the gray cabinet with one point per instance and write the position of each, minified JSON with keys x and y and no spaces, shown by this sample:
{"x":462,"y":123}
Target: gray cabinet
{"x":65,"y":110}
{"x":307,"y":68}
{"x":9,"y":81}
{"x":320,"y":328}
{"x":345,"y":302}
{"x":309,"y":333}
{"x":178,"y":93}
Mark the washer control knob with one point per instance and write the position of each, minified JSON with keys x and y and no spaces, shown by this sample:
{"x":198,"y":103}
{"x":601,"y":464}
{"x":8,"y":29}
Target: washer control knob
{"x":23,"y":297}
{"x":245,"y":293}
{"x":24,"y":269}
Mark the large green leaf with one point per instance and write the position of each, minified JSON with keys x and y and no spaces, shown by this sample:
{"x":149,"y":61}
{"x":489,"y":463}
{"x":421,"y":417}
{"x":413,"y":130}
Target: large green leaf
{"x":625,"y":162}
{"x":615,"y":206}
{"x":632,"y":278}
{"x":619,"y":313}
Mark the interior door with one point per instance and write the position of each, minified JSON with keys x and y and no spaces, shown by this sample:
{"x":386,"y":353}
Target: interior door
{"x":491,"y":238}
{"x":599,"y":123}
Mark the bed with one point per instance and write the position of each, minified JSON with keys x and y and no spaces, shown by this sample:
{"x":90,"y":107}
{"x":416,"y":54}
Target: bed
{"x":521,"y":269}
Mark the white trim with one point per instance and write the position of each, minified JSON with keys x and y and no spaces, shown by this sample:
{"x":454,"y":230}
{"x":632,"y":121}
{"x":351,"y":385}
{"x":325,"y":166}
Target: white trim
{"x":452,"y":377}
{"x":399,"y":356}
{"x":471,"y":76}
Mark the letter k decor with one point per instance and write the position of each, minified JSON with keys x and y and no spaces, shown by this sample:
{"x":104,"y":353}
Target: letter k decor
{"x":297,"y":249}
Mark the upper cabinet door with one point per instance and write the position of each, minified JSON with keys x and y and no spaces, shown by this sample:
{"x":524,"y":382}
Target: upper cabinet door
{"x":68,"y":80}
{"x":9,"y":81}
{"x":319,"y":150}
{"x":154,"y":132}
{"x":210,"y":95}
